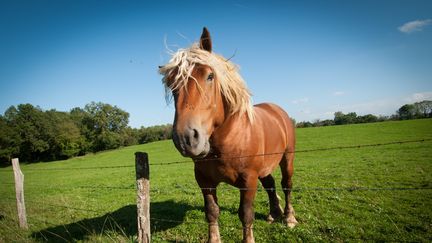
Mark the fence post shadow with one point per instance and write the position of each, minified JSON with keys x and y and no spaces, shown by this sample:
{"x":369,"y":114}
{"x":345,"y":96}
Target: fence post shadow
{"x":123,"y":221}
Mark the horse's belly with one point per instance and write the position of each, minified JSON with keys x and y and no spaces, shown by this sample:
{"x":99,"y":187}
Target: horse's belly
{"x":270,"y":164}
{"x":218,"y":171}
{"x":229,"y":171}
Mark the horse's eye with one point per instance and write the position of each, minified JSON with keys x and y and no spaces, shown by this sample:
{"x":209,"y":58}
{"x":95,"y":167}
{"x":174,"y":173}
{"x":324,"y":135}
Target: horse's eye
{"x":210,"y":77}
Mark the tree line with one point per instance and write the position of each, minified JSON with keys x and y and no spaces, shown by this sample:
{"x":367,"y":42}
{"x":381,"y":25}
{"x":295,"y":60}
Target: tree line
{"x":417,"y":110}
{"x":32,"y":134}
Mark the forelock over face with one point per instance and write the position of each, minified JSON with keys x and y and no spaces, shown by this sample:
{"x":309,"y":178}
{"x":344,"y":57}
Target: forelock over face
{"x":170,"y":77}
{"x":178,"y":72}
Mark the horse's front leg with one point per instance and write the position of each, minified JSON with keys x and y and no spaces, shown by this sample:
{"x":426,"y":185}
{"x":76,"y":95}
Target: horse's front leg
{"x":208,"y":190}
{"x":212,"y":214}
{"x":246,"y":210}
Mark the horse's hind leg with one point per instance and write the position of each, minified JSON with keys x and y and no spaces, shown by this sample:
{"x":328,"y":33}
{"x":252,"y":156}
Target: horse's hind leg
{"x":287,"y":168}
{"x":275,"y":209}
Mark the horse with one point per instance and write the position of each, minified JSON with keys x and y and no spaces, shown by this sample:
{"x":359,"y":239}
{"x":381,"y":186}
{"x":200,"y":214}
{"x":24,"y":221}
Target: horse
{"x":228,"y":138}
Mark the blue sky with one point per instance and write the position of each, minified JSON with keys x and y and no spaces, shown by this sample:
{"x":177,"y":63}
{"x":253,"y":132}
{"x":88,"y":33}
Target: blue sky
{"x":313,"y":58}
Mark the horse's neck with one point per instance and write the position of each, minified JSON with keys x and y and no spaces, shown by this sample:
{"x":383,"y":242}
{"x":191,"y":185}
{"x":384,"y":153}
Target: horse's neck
{"x":234,"y":130}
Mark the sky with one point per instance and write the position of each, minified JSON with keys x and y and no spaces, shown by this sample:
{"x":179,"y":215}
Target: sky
{"x":312,"y":58}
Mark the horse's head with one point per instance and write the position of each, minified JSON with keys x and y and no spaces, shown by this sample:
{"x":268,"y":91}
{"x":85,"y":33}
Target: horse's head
{"x":198,"y":104}
{"x":199,"y":81}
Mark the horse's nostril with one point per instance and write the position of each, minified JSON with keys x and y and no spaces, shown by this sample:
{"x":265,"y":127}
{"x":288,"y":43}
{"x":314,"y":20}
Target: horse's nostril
{"x":191,"y":138}
{"x":188,"y":142}
{"x":195,"y":134}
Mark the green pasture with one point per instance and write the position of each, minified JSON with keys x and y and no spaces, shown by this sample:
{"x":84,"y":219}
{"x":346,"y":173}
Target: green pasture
{"x":376,"y":193}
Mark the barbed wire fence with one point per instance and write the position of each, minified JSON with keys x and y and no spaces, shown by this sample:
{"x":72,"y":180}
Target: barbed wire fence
{"x":196,"y":189}
{"x":189,"y":161}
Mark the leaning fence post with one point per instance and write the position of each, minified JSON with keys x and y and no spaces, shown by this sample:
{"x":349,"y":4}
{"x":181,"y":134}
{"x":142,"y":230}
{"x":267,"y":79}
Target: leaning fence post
{"x":19,"y":191}
{"x":143,"y":199}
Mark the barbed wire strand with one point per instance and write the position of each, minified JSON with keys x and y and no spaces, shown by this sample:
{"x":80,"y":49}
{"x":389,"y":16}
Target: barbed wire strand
{"x":44,"y":203}
{"x":320,"y":149}
{"x":232,"y":157}
{"x":7,"y":183}
{"x":7,"y":198}
{"x":82,"y":168}
{"x":298,"y":189}
{"x":45,"y":189}
{"x":323,"y":189}
{"x":297,"y":151}
{"x":71,"y":208}
{"x":198,"y":189}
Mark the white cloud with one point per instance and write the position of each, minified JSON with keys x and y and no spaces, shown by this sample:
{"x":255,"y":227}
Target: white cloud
{"x":338,"y":93}
{"x":414,"y":26}
{"x":417,"y":97}
{"x":299,"y":101}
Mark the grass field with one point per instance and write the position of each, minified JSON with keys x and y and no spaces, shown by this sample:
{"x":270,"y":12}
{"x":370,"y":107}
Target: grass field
{"x":65,"y":204}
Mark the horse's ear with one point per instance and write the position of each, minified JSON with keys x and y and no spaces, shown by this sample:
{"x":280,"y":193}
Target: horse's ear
{"x":205,"y":41}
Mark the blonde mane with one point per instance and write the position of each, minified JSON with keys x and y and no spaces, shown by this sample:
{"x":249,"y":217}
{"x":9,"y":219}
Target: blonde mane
{"x":229,"y":81}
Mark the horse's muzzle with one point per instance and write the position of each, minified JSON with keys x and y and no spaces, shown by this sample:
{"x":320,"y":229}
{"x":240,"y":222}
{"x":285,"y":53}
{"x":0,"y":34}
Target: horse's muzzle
{"x":191,"y":142}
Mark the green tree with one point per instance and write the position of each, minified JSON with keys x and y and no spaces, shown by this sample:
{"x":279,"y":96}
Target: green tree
{"x":304,"y":124}
{"x":32,"y":134}
{"x":367,"y":118}
{"x":79,"y":116}
{"x":423,"y":109}
{"x":154,"y":133}
{"x":406,"y":112}
{"x":341,"y":118}
{"x":130,"y":136}
{"x":9,"y":141}
{"x":104,"y":124}
{"x":351,"y":118}
{"x":31,"y":125}
{"x":65,"y":138}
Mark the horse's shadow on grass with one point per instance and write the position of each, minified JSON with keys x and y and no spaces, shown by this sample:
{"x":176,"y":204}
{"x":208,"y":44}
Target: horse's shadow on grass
{"x":123,"y":221}
{"x":164,"y":215}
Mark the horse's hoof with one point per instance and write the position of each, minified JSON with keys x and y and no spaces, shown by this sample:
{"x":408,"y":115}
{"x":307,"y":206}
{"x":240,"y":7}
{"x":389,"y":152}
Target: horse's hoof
{"x":214,"y":236}
{"x":273,"y":216}
{"x":214,"y":240}
{"x":291,"y":221}
{"x":291,"y":225}
{"x":249,"y":240}
{"x":270,"y":219}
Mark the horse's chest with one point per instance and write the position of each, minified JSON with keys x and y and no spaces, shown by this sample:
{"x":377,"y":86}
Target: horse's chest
{"x":218,"y":171}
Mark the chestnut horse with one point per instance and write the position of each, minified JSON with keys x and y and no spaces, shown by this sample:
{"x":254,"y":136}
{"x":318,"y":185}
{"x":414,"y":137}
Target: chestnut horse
{"x":229,"y":140}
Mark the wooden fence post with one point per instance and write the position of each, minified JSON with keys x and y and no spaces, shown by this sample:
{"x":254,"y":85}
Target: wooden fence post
{"x":19,"y":191}
{"x":143,"y":199}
